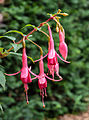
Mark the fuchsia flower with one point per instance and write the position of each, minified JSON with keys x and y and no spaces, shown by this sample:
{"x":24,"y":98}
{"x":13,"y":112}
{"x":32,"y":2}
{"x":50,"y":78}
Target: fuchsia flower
{"x":62,"y":45}
{"x":52,"y":56}
{"x":25,"y":75}
{"x":53,"y":64}
{"x":42,"y":82}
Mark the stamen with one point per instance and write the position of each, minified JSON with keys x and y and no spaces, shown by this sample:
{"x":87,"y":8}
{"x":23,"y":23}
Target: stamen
{"x":45,"y":92}
{"x":27,"y":98}
{"x":26,"y":88}
{"x":40,"y":92}
{"x":43,"y":98}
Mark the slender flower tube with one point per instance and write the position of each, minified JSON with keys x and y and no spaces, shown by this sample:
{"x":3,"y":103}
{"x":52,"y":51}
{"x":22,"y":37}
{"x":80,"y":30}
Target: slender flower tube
{"x":62,"y":45}
{"x":25,"y":75}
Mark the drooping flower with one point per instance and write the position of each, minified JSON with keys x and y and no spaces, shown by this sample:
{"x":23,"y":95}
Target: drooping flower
{"x":42,"y":82}
{"x":53,"y":65}
{"x":25,"y":75}
{"x":52,"y":56}
{"x":62,"y":45}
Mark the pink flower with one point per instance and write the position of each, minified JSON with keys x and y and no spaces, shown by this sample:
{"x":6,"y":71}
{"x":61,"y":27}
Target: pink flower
{"x":42,"y":82}
{"x":25,"y":75}
{"x":53,"y":65}
{"x":62,"y":45}
{"x":52,"y":57}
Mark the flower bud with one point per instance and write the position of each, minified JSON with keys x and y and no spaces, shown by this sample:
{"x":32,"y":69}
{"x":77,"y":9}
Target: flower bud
{"x":63,"y":49}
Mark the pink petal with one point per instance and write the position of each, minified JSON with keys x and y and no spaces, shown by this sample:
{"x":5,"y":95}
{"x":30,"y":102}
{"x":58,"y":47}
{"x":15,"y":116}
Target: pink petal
{"x":52,"y":57}
{"x":51,"y":69}
{"x":33,"y":78}
{"x":62,"y":59}
{"x":33,"y":73}
{"x":51,"y":53}
{"x":29,"y":78}
{"x":41,"y":58}
{"x":57,"y":70}
{"x":13,"y":73}
{"x":24,"y":72}
{"x":53,"y":79}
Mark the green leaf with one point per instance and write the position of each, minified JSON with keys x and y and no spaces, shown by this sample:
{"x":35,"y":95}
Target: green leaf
{"x":29,"y":35}
{"x":2,"y":79}
{"x":16,"y":46}
{"x":1,"y":108}
{"x":1,"y":50}
{"x":9,"y":37}
{"x":28,"y":25}
{"x":11,"y":31}
{"x":19,"y":54}
{"x":49,"y":14}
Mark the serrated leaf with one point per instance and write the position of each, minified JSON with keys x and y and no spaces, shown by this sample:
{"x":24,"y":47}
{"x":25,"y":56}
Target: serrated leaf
{"x":19,"y":54}
{"x":28,"y":25}
{"x":2,"y":79}
{"x":16,"y":46}
{"x":9,"y":37}
{"x":11,"y":31}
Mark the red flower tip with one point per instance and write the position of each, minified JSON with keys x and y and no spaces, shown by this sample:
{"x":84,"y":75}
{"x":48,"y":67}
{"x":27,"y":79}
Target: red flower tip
{"x":27,"y":102}
{"x":43,"y":106}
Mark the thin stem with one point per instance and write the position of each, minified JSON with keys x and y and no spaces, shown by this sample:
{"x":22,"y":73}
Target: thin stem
{"x":5,"y":54}
{"x":45,"y":33}
{"x":23,"y":42}
{"x":41,"y":24}
{"x":36,"y":45}
{"x":41,"y":58}
{"x":56,"y":21}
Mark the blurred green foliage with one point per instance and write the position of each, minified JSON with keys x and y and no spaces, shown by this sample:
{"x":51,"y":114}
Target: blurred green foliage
{"x":67,"y":96}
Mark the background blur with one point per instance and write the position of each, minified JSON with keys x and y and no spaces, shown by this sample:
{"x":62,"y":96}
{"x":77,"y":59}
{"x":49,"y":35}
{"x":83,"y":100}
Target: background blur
{"x":71,"y":94}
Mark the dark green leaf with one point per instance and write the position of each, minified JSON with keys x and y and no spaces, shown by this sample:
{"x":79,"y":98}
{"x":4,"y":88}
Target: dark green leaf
{"x":2,"y":79}
{"x":9,"y":37}
{"x":16,"y":46}
{"x":15,"y":31}
{"x":1,"y":108}
{"x":28,"y":25}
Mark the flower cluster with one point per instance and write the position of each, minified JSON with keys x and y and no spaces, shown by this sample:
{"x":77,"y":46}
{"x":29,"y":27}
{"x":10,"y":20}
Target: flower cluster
{"x":52,"y":64}
{"x":52,"y":57}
